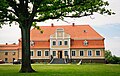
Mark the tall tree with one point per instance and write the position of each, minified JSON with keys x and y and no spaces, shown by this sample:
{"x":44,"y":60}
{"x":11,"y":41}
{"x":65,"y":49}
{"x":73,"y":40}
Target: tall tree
{"x":26,"y":12}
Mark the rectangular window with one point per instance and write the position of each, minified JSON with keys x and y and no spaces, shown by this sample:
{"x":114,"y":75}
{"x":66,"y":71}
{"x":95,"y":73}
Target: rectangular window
{"x":13,"y":59}
{"x":6,"y":60}
{"x":46,"y":53}
{"x":54,"y":53}
{"x":59,"y":42}
{"x":65,"y":42}
{"x":81,"y":53}
{"x":13,"y":53}
{"x":31,"y":53}
{"x":97,"y":53}
{"x":54,"y":42}
{"x":65,"y":53}
{"x":6,"y":53}
{"x":39,"y":53}
{"x":73,"y":53}
{"x":89,"y":53}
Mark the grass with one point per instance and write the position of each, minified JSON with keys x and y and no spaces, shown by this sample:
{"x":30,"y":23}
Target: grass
{"x":63,"y":70}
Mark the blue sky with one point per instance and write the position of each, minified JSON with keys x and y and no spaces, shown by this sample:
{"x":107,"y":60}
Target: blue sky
{"x":107,"y":26}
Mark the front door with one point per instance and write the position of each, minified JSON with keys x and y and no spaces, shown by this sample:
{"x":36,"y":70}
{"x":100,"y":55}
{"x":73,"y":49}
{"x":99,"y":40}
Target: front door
{"x":59,"y":54}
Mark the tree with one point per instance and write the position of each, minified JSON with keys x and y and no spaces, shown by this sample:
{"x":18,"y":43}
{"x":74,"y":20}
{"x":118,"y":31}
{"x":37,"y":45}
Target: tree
{"x":111,"y":59}
{"x":27,"y":12}
{"x":108,"y":56}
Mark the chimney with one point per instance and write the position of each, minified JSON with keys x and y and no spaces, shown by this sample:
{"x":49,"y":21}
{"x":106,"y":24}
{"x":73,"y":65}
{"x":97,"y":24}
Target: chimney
{"x":14,"y":43}
{"x":73,"y":24}
{"x":52,"y":25}
{"x":6,"y":43}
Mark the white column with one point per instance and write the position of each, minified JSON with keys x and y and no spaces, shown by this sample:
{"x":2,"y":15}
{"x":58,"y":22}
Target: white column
{"x":69,"y":53}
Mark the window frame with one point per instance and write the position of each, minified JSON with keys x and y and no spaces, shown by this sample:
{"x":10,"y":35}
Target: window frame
{"x":80,"y":53}
{"x":59,"y":44}
{"x":45,"y":53}
{"x":54,"y":53}
{"x":65,"y":53}
{"x":96,"y":52}
{"x":74,"y":53}
{"x":85,"y":42}
{"x":89,"y":54}
{"x":6,"y":53}
{"x":31,"y":53}
{"x":53,"y":42}
{"x":38,"y":53}
{"x":13,"y":53}
{"x":6,"y":59}
{"x":66,"y":41}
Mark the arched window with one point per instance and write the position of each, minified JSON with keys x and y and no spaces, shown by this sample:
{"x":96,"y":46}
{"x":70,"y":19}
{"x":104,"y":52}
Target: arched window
{"x":32,"y":43}
{"x":85,"y":42}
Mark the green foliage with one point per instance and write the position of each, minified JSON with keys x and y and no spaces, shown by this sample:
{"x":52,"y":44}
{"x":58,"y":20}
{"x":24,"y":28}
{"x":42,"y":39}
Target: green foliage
{"x":41,"y":10}
{"x":111,"y":59}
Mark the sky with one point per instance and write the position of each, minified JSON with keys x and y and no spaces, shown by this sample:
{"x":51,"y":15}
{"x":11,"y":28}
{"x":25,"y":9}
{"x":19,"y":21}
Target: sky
{"x":107,"y":26}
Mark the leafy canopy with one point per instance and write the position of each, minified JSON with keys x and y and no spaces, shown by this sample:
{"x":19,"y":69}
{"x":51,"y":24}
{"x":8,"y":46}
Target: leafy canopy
{"x":41,"y":10}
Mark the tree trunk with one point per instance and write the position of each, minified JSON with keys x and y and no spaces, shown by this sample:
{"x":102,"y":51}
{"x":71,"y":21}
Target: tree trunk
{"x":26,"y":61}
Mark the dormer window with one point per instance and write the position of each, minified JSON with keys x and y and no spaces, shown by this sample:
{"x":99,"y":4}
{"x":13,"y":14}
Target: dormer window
{"x":85,"y":42}
{"x":32,"y":43}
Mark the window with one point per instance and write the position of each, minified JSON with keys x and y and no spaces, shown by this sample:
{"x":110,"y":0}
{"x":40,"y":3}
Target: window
{"x":81,"y":53}
{"x":54,"y":42}
{"x":59,"y":42}
{"x":97,"y":53}
{"x":32,"y":43}
{"x":13,"y":59}
{"x":65,"y":53}
{"x":73,"y":53}
{"x":13,"y":53}
{"x":6,"y":60}
{"x":85,"y":42}
{"x":6,"y":53}
{"x":46,"y":53}
{"x":39,"y":53}
{"x":31,"y":53}
{"x":65,"y":42}
{"x":89,"y":53}
{"x":54,"y":53}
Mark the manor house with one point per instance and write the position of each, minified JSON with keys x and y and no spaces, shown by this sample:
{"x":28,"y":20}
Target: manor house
{"x":74,"y":42}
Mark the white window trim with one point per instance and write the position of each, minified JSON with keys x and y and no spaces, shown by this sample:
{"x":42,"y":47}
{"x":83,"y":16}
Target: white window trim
{"x":67,"y":42}
{"x":32,"y":51}
{"x":83,"y":53}
{"x":59,"y":41}
{"x":37,"y":53}
{"x":91,"y":53}
{"x":97,"y":50}
{"x":67,"y":51}
{"x":52,"y":42}
{"x":55,"y":54}
{"x":75,"y":52}
{"x":45,"y":51}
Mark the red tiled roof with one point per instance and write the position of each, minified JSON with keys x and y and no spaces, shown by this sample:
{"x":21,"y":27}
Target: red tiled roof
{"x":91,"y":44}
{"x":41,"y":44}
{"x":8,"y":47}
{"x":76,"y":32}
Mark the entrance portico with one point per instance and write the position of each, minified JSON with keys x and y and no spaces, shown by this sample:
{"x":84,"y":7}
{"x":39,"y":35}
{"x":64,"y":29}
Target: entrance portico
{"x":59,"y":54}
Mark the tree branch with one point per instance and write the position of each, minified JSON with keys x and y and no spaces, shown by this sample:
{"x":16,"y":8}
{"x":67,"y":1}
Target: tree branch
{"x":47,"y":17}
{"x":14,"y":6}
{"x":56,"y":8}
{"x":79,"y":16}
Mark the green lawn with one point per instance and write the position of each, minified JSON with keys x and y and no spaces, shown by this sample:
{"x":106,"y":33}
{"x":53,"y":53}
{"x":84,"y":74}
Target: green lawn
{"x":63,"y":70}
